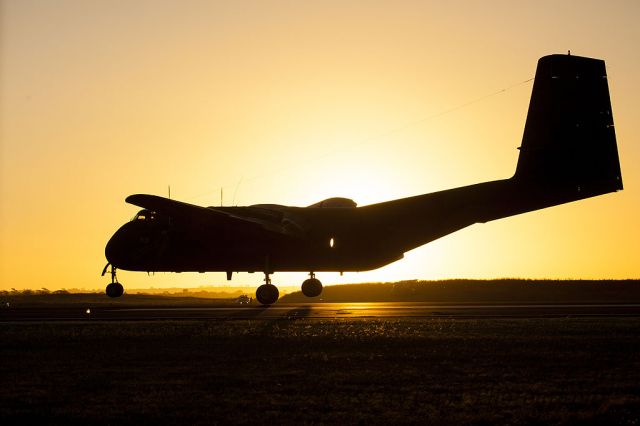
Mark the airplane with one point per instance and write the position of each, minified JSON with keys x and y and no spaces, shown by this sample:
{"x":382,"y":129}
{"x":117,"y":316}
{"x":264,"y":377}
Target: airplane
{"x":568,"y":153}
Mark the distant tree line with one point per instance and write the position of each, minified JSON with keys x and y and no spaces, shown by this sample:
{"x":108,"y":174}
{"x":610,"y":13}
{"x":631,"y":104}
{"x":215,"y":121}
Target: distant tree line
{"x":437,"y":291}
{"x":481,"y":291}
{"x":30,"y":292}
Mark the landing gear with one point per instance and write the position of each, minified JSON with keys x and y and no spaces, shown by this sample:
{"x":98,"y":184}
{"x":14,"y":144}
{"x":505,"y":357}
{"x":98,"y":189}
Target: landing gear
{"x":312,"y":287}
{"x":267,"y":293}
{"x":114,"y":289}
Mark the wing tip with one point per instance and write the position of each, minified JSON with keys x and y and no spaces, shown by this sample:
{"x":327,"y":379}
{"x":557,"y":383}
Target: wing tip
{"x":136,"y":199}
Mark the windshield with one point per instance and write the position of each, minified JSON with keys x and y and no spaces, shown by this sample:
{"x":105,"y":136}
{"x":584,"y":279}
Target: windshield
{"x":146,"y":215}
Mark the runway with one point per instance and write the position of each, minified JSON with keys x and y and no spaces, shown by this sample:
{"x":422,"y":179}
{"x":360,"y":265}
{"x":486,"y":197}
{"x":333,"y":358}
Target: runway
{"x":341,"y":311}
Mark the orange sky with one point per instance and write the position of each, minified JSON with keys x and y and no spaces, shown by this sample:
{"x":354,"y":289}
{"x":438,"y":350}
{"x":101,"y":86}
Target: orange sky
{"x":297,"y":102}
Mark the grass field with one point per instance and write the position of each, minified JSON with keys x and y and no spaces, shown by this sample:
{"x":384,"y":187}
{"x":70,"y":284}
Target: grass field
{"x":433,"y":371}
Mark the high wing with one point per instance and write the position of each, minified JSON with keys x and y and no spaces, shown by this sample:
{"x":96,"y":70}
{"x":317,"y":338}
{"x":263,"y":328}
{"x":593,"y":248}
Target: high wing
{"x":259,"y":218}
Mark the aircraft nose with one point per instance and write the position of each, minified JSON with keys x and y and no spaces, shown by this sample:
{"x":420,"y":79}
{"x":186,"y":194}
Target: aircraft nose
{"x":116,"y":249}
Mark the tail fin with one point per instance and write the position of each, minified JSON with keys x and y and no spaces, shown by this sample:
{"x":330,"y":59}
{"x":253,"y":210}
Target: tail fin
{"x":569,"y":141}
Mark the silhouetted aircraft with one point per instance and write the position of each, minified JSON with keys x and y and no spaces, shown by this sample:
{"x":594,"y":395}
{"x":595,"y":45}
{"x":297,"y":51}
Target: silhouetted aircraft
{"x":568,"y":153}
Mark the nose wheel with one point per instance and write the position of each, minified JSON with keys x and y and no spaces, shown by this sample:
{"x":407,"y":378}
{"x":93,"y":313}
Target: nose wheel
{"x":115,"y":289}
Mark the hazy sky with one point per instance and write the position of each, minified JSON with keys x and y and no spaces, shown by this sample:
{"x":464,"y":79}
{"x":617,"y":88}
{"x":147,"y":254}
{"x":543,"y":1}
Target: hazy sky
{"x":292,"y":102}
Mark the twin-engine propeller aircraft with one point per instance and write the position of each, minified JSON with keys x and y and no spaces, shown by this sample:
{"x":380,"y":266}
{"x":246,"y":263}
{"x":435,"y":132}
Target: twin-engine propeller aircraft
{"x":568,"y":153}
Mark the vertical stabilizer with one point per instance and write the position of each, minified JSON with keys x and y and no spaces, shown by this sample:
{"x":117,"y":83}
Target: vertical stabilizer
{"x":569,"y":141}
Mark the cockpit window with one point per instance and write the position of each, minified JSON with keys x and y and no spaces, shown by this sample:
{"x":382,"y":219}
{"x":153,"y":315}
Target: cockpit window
{"x":145,"y":215}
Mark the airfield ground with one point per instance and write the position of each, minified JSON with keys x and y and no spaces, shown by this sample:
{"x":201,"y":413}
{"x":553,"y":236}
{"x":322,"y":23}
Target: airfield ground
{"x":432,"y":370}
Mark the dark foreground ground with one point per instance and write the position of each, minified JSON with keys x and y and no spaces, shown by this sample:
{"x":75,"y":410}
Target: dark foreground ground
{"x":312,"y":371}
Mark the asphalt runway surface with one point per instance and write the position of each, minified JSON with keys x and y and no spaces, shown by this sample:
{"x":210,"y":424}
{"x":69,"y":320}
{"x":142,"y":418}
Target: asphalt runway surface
{"x":319,"y":363}
{"x":342,"y":311}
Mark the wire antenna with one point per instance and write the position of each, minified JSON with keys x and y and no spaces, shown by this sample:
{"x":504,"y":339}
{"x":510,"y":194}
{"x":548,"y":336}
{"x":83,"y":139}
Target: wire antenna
{"x":233,"y":203}
{"x":392,"y":131}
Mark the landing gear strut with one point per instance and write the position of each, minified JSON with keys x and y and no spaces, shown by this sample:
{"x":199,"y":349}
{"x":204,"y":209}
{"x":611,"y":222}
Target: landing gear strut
{"x":114,"y":289}
{"x":312,"y":287}
{"x":267,"y":293}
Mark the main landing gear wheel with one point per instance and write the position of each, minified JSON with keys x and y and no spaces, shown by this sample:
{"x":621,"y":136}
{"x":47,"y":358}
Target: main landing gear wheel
{"x":267,"y":294}
{"x":114,"y":289}
{"x":312,"y":287}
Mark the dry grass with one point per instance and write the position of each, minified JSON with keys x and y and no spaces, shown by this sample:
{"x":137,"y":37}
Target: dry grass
{"x":437,"y":371}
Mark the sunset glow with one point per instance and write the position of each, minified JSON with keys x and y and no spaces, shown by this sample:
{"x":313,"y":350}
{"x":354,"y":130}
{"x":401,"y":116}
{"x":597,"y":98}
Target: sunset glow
{"x":292,"y":103}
